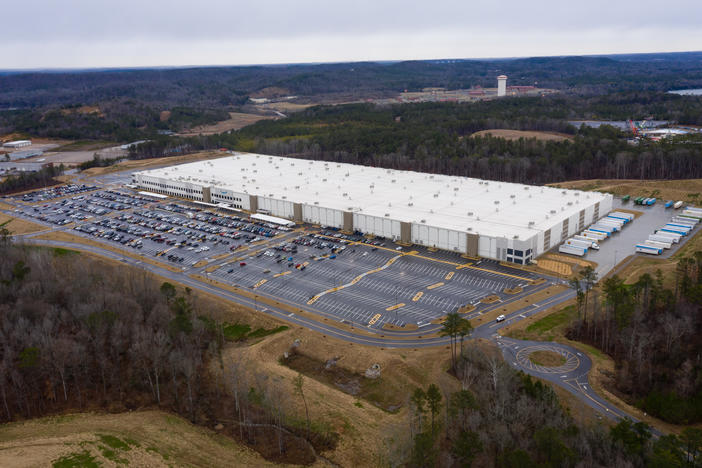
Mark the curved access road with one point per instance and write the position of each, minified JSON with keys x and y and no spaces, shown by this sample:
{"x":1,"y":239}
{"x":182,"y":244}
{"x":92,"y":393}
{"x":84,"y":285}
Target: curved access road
{"x":572,"y":375}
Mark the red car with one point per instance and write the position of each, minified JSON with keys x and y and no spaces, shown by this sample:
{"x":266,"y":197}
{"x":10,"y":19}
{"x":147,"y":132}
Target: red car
{"x":242,"y":264}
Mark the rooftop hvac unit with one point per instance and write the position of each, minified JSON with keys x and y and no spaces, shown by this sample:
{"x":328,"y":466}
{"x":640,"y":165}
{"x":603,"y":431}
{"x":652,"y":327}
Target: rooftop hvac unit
{"x":570,"y":203}
{"x":513,"y":196}
{"x":324,"y":180}
{"x":577,"y":194}
{"x":410,"y":204}
{"x":316,"y":203}
{"x":387,"y":215}
{"x":344,"y":194}
{"x":284,"y":197}
{"x":469,"y":229}
{"x":526,"y":187}
{"x":516,"y":236}
{"x":470,"y":213}
{"x":531,"y":223}
{"x":553,"y":211}
{"x":394,"y":180}
{"x":497,"y":202}
{"x":436,"y":195}
{"x":423,"y":221}
{"x":564,"y":192}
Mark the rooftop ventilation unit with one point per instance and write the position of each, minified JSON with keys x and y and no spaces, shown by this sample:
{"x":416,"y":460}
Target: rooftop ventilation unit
{"x":553,"y":211}
{"x":423,"y":221}
{"x":387,"y":215}
{"x":512,"y":196}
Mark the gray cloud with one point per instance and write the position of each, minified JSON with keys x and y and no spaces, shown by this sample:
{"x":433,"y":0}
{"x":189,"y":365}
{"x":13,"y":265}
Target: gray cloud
{"x":177,"y":32}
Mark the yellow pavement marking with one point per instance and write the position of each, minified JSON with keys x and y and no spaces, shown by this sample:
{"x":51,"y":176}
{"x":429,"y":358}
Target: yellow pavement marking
{"x":436,"y":285}
{"x":306,"y":263}
{"x":282,"y":274}
{"x":260,"y":283}
{"x":465,"y":265}
{"x":396,"y":306}
{"x":450,"y":275}
{"x":417,"y":296}
{"x":374,"y":319}
{"x":413,"y":252}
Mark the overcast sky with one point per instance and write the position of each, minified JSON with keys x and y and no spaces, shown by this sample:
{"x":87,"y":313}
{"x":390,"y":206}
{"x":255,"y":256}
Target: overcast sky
{"x":108,"y":33}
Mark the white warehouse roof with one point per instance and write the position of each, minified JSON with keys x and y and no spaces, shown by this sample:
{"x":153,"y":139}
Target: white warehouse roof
{"x":488,"y":208}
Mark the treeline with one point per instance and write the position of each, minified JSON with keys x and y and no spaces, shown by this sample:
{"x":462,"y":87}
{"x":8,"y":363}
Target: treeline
{"x":436,"y":137}
{"x":77,"y":334}
{"x":28,"y":180}
{"x":504,"y":418}
{"x":215,"y":87}
{"x":114,"y":120}
{"x":653,"y":333}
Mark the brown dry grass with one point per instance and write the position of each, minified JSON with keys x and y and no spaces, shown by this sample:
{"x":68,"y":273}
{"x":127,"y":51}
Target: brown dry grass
{"x":547,"y":358}
{"x":364,"y":428}
{"x":553,"y":266}
{"x":688,"y":190}
{"x":516,"y":305}
{"x":20,"y":226}
{"x":235,"y":121}
{"x":163,"y":440}
{"x":517,"y":134}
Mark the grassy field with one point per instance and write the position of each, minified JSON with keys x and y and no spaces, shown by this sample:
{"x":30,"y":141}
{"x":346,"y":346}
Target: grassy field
{"x":687,"y":190}
{"x":235,"y":121}
{"x":139,"y":439}
{"x":517,"y":134}
{"x":20,"y":226}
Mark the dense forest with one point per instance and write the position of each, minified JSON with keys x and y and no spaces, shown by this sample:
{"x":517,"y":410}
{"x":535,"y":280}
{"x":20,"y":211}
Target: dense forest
{"x":215,"y":87}
{"x":652,"y":333}
{"x":77,"y":334}
{"x":437,"y":137}
{"x":28,"y":180}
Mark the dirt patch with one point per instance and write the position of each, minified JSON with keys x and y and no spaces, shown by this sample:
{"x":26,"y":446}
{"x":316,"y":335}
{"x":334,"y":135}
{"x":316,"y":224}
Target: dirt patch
{"x":553,"y":266}
{"x":490,"y":299}
{"x":140,"y":438}
{"x":235,"y":121}
{"x":517,"y":134}
{"x":547,"y":358}
{"x":379,"y":392}
{"x":516,"y":290}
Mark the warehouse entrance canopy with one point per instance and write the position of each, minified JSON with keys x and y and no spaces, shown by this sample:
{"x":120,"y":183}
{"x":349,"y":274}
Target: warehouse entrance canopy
{"x":501,"y":220}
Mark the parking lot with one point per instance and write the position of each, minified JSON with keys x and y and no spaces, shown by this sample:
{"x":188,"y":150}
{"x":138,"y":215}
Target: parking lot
{"x":345,"y":277}
{"x":52,"y":193}
{"x":371,"y":285}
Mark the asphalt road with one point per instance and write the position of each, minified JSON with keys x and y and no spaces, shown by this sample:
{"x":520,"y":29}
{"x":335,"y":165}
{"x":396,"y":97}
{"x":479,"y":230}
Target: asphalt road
{"x":572,"y":376}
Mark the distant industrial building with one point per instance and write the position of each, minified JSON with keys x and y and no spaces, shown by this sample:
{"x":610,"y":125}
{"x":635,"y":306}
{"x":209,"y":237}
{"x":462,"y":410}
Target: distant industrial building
{"x":499,"y":220}
{"x":17,"y":155}
{"x":17,"y":144}
{"x":501,"y":85}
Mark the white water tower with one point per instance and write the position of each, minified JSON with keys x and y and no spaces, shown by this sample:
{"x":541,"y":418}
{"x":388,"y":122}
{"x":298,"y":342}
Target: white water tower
{"x":501,"y":85}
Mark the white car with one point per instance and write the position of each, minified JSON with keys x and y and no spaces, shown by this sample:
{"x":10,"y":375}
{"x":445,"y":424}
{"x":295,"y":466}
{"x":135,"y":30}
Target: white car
{"x":500,"y":318}
{"x":398,"y":248}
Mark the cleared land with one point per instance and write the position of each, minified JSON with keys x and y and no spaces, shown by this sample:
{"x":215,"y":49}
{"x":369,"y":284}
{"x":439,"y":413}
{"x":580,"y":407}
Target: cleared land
{"x":517,"y":134}
{"x":235,"y":121}
{"x":688,"y":190}
{"x":140,"y":438}
{"x":20,"y":226}
{"x":154,"y":162}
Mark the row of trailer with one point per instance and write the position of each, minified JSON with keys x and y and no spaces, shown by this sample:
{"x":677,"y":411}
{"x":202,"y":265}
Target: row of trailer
{"x":678,"y":227}
{"x":650,"y":201}
{"x":591,"y":237}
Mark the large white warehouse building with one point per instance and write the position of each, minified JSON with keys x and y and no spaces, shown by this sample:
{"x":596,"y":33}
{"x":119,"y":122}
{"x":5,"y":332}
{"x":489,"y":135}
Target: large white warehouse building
{"x":499,"y":220}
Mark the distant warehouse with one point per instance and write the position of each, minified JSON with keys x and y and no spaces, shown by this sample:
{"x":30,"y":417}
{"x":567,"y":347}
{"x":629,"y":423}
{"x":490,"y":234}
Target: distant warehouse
{"x":499,"y":220}
{"x":17,"y":144}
